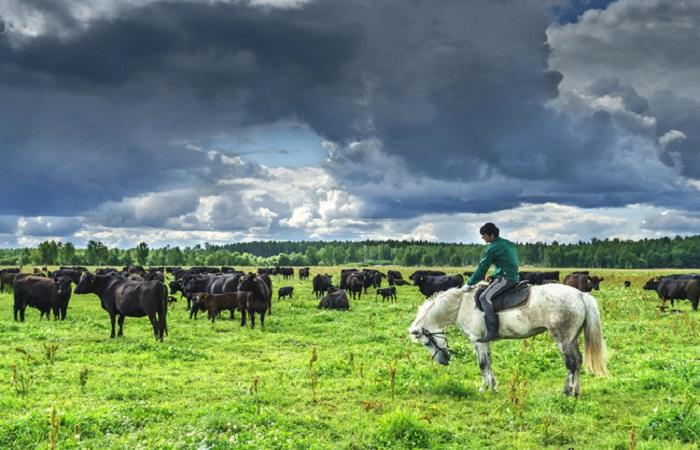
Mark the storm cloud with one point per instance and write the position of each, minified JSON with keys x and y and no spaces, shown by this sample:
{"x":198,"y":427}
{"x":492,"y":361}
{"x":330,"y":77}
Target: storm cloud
{"x":109,"y":111}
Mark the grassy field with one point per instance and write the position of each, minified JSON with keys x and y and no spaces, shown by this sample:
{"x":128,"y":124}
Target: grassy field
{"x":216,"y":387}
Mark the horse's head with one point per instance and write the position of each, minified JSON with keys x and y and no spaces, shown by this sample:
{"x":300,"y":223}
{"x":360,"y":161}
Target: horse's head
{"x":86,"y":284}
{"x":433,"y":338}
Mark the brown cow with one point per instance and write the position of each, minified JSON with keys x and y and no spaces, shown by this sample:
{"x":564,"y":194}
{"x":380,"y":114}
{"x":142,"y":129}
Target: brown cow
{"x":230,"y":301}
{"x":583,"y":282}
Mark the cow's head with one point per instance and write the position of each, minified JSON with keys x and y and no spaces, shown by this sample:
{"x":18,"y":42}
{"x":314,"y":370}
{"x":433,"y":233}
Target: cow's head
{"x":86,"y":284}
{"x":63,"y":285}
{"x":651,"y":284}
{"x":594,"y":282}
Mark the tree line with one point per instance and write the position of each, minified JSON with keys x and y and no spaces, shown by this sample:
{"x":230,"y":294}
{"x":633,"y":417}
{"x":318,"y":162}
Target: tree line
{"x":677,"y":252}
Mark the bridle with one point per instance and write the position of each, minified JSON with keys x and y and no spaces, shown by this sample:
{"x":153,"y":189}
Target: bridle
{"x":431,"y":338}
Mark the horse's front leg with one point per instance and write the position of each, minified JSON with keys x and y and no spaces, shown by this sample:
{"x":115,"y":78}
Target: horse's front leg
{"x":483,"y":356}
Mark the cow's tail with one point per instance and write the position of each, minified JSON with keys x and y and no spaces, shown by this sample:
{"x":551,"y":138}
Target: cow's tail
{"x":162,"y":322}
{"x":595,"y":354}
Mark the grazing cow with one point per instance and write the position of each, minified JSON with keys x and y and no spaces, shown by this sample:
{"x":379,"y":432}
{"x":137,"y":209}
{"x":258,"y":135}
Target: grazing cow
{"x":583,"y":282}
{"x":260,"y":301}
{"x":225,"y":269}
{"x":355,"y":284}
{"x":321,"y":283}
{"x":430,"y":284}
{"x":286,"y":291}
{"x":126,"y":298}
{"x":628,"y":283}
{"x":171,"y":300}
{"x":686,"y":288}
{"x":42,"y":293}
{"x":231,"y":301}
{"x":337,"y":299}
{"x":286,"y":272}
{"x":393,"y":276}
{"x":373,"y":277}
{"x":304,"y":273}
{"x":415,"y":276}
{"x":389,"y":292}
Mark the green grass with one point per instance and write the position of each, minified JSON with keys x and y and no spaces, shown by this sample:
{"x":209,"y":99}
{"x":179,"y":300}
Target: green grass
{"x":198,"y":390}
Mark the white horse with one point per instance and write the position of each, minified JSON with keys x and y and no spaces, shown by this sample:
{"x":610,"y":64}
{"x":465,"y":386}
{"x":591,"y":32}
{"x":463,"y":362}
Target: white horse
{"x":562,"y":310}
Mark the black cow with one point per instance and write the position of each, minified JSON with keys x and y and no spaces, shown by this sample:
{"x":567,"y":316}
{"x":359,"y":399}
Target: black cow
{"x":551,"y":277}
{"x":430,"y":284}
{"x":415,"y":276}
{"x":628,"y":283}
{"x":682,"y":288}
{"x":126,"y":298}
{"x":344,"y":274}
{"x":73,"y":274}
{"x":355,"y":284}
{"x":393,"y":276}
{"x":42,"y":293}
{"x":261,"y":300}
{"x":533,"y":277}
{"x":304,"y":273}
{"x":7,"y":279}
{"x":337,"y":299}
{"x":389,"y":292}
{"x":286,"y":291}
{"x":321,"y":283}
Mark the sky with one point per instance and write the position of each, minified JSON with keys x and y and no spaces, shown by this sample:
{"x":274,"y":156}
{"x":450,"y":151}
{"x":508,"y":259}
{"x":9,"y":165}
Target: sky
{"x":179,"y":122}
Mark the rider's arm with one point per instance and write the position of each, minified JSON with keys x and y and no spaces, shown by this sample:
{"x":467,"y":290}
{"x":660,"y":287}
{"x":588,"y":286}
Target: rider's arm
{"x":484,"y":264}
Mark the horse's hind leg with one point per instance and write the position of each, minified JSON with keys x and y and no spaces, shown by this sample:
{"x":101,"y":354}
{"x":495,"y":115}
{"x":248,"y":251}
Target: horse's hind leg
{"x":572,"y":359}
{"x":483,"y":356}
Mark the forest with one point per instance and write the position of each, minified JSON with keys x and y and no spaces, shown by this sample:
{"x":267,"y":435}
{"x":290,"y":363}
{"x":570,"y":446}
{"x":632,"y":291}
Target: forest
{"x":676,"y":252}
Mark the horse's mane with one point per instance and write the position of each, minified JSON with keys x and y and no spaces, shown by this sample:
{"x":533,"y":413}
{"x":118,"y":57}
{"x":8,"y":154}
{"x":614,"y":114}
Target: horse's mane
{"x":444,"y":303}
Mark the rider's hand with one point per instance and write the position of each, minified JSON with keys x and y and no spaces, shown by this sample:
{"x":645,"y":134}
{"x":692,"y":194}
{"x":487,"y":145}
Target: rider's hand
{"x":467,"y":287}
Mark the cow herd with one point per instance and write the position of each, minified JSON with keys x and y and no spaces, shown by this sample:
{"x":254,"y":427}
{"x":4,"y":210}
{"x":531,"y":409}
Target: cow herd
{"x":137,"y":292}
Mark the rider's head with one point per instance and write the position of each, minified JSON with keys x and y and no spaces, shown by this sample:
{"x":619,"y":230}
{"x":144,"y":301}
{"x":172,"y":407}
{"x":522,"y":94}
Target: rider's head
{"x":489,"y":232}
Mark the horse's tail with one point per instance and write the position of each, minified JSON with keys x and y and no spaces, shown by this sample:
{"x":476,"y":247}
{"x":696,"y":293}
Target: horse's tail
{"x":595,"y":355}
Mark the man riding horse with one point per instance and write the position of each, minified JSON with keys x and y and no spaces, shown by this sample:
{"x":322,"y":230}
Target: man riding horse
{"x":501,"y":253}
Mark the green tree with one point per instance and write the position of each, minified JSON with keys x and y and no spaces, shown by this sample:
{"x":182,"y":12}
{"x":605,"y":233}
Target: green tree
{"x":67,"y":253}
{"x":142,"y":252}
{"x":48,"y":253}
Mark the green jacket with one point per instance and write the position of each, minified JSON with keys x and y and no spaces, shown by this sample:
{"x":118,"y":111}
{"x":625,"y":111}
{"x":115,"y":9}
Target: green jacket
{"x":501,"y":253}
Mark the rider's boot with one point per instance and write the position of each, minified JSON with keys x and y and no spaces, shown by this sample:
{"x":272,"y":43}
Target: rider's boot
{"x":491,"y":328}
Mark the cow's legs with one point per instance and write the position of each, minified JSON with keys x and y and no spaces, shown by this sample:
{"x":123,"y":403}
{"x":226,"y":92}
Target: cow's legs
{"x":572,"y":359}
{"x":252,"y":319}
{"x":483,"y":356}
{"x":262,"y":319}
{"x":121,"y":325}
{"x":112,"y":317}
{"x":154,"y":324}
{"x":243,"y":313}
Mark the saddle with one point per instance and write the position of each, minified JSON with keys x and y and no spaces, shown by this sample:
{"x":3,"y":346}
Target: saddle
{"x":514,"y":297}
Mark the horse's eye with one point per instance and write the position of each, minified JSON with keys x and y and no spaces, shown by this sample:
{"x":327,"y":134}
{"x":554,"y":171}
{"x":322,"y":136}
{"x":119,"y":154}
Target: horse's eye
{"x":415,"y":332}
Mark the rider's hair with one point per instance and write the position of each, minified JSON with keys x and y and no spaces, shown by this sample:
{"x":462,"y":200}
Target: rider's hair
{"x":489,"y":228}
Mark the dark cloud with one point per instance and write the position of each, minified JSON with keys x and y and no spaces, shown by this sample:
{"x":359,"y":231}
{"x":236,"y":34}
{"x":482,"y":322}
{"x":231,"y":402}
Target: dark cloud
{"x":455,"y":94}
